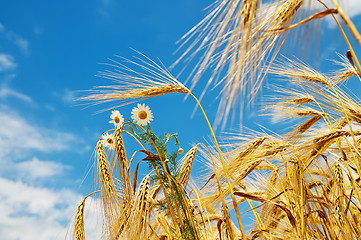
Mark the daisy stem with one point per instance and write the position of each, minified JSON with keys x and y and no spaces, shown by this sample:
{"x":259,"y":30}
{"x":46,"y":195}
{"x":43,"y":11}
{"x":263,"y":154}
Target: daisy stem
{"x":172,"y":212}
{"x":235,"y":205}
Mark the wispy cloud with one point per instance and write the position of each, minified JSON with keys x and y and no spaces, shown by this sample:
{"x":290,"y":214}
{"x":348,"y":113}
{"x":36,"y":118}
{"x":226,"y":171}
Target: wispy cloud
{"x":19,"y":136}
{"x":66,"y":96}
{"x":16,"y":39}
{"x":37,"y":213}
{"x":37,"y":169}
{"x":352,"y":9}
{"x":27,"y":203}
{"x":6,"y":92}
{"x":105,"y":8}
{"x":7,"y":62}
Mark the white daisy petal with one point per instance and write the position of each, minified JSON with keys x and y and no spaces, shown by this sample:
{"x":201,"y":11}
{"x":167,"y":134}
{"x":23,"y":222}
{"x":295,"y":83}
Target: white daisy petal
{"x":117,"y":118}
{"x":142,"y":114}
{"x":108,"y":140}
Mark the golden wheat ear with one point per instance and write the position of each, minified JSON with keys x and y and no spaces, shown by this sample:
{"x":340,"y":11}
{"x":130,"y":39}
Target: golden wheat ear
{"x":78,"y":231}
{"x":296,"y":70}
{"x":148,"y":81}
{"x":233,"y":41}
{"x":109,"y":192}
{"x":186,"y":168}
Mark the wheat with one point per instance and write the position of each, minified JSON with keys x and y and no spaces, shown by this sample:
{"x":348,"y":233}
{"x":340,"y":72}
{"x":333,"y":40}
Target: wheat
{"x":78,"y":231}
{"x":123,"y":163}
{"x":119,"y":148}
{"x":109,"y":192}
{"x":287,"y":10}
{"x":137,"y":224}
{"x":104,"y":174}
{"x":299,"y":100}
{"x":305,"y":182}
{"x":235,"y":37}
{"x":296,"y":71}
{"x":339,"y":177}
{"x":186,"y":168}
{"x":151,"y":81}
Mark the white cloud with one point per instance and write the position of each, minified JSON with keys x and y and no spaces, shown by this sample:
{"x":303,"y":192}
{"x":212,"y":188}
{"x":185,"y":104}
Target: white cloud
{"x":17,"y":136}
{"x":21,"y":43}
{"x":36,"y":213}
{"x":35,"y":169}
{"x":6,"y":92}
{"x":352,"y":8}
{"x":16,"y":39}
{"x":68,"y":96}
{"x":7,"y":62}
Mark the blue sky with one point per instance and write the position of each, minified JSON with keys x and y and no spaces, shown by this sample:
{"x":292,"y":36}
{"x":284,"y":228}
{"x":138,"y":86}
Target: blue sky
{"x":48,"y":51}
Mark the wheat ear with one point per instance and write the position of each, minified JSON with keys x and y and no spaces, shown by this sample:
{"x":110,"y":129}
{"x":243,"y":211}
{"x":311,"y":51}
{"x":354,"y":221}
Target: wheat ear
{"x":78,"y":231}
{"x":186,"y":168}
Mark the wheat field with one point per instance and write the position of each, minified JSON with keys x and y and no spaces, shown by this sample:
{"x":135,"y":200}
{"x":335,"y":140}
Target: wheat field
{"x":302,"y":184}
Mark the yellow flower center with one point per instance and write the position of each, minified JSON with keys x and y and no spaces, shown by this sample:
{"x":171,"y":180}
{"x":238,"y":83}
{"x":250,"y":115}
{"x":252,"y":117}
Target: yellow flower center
{"x":142,"y":115}
{"x":116,"y":119}
{"x":110,"y":140}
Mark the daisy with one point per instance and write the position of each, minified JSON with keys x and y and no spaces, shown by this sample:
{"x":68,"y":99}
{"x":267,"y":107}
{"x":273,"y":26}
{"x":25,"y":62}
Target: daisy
{"x":108,"y":140}
{"x":142,"y":114}
{"x":117,"y":118}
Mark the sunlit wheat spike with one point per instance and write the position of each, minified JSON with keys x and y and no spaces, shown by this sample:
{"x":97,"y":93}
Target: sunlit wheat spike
{"x":296,"y":70}
{"x":299,"y":101}
{"x":308,"y":112}
{"x":355,"y":113}
{"x":105,"y":177}
{"x":122,"y":160}
{"x":325,"y":138}
{"x":120,"y":224}
{"x":247,"y":170}
{"x":251,"y":147}
{"x":151,"y":80}
{"x":186,"y":168}
{"x":275,"y":147}
{"x":339,"y":177}
{"x":119,"y":147}
{"x":140,"y":208}
{"x":346,"y":74}
{"x":287,"y":11}
{"x":347,"y":70}
{"x":142,"y":192}
{"x":234,"y":40}
{"x":78,"y":231}
{"x":155,"y":190}
{"x":109,"y":193}
{"x":306,"y":125}
{"x":338,"y":210}
{"x":248,"y":13}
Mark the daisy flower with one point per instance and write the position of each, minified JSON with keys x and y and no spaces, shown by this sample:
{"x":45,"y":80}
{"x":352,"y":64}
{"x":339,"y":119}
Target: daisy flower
{"x":142,"y":114}
{"x":108,"y":140}
{"x":117,"y":118}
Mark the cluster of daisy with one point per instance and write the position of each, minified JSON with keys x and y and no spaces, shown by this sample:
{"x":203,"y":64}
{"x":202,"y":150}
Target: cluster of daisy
{"x":141,"y":115}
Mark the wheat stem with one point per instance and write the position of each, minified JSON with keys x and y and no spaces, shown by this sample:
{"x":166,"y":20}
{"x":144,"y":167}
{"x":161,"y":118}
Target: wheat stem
{"x":352,"y":28}
{"x":235,"y":205}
